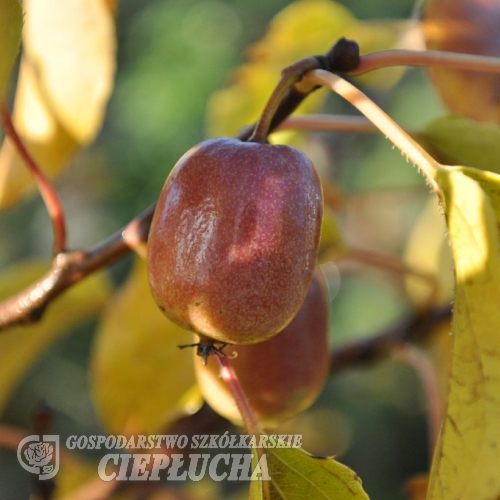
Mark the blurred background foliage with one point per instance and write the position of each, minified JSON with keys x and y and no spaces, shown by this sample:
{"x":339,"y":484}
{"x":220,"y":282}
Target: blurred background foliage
{"x":173,"y":56}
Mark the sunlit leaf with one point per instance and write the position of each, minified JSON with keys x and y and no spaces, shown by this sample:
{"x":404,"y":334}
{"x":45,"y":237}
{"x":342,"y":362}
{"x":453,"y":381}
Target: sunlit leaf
{"x":20,"y":346}
{"x":11,"y":23}
{"x":72,"y":46}
{"x":64,"y":83}
{"x":466,"y":459}
{"x":457,"y":140}
{"x":489,"y":182}
{"x":140,"y":378}
{"x":297,"y":474}
{"x":47,"y":141}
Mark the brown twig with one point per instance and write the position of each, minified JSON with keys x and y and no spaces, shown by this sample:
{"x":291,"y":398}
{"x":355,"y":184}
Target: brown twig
{"x":443,"y":59}
{"x":343,"y":57}
{"x":70,"y":267}
{"x":331,"y":123}
{"x":412,"y":328}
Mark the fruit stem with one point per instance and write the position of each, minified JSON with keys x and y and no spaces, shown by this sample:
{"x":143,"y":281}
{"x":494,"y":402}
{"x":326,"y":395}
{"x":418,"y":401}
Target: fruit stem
{"x":45,"y":187}
{"x":444,"y":59}
{"x":229,"y":376}
{"x":252,"y":427}
{"x":381,"y":120}
{"x":289,"y":77}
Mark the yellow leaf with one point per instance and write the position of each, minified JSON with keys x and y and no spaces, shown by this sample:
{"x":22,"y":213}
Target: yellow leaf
{"x":468,"y":452}
{"x":20,"y":346}
{"x":489,"y":182}
{"x":11,"y":23}
{"x":297,"y":474}
{"x":139,"y":376}
{"x":303,"y":28}
{"x":47,"y":141}
{"x":64,"y":83}
{"x":72,"y":47}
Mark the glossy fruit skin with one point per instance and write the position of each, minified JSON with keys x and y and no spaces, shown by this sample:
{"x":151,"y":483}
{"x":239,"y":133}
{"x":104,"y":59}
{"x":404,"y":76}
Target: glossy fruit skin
{"x":281,"y":376}
{"x":234,"y":239}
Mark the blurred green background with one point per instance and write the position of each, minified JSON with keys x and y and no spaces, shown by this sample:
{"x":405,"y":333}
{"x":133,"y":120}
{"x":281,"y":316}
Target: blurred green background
{"x":172,"y":55}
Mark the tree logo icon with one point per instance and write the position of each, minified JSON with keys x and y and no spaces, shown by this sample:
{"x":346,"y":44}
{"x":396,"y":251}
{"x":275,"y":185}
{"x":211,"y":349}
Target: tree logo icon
{"x":39,"y":455}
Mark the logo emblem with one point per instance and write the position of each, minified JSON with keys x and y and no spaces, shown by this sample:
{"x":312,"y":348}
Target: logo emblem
{"x":40,"y":455}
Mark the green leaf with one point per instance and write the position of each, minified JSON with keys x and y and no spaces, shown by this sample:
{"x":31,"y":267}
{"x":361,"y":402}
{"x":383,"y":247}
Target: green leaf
{"x":11,"y":24}
{"x":296,"y":474}
{"x":457,"y":140}
{"x":468,"y":452}
{"x":20,"y":346}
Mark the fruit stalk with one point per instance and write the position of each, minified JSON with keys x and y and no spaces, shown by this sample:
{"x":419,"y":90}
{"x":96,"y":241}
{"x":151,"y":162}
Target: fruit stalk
{"x":230,"y":378}
{"x":381,"y":120}
{"x":286,"y":97}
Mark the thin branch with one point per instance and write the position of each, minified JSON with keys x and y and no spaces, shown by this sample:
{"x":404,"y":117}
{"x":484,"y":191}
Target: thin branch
{"x":69,"y":268}
{"x":343,"y":57}
{"x":412,"y":328}
{"x":443,"y":59}
{"x":331,"y":123}
{"x":47,"y":190}
{"x":403,"y":141}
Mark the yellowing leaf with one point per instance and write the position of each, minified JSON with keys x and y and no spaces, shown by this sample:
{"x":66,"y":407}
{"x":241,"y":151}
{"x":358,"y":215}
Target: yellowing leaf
{"x":64,"y":83}
{"x":457,"y":140}
{"x":297,"y":474}
{"x":468,"y":453}
{"x":489,"y":182}
{"x":303,"y":28}
{"x":139,"y":376}
{"x":11,"y":23}
{"x":20,"y":346}
{"x":72,"y":45}
{"x":47,"y":141}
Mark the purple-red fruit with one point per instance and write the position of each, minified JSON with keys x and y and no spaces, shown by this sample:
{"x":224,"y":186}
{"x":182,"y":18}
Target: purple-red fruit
{"x":281,"y":376}
{"x":234,"y":239}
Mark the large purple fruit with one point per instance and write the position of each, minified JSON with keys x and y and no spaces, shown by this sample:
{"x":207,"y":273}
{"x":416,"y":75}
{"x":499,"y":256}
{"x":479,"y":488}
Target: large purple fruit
{"x":234,"y":239}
